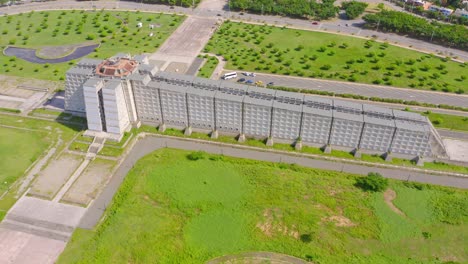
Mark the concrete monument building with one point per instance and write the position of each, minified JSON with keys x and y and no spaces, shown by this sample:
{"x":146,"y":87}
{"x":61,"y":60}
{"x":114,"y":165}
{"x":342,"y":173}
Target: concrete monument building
{"x":123,"y":92}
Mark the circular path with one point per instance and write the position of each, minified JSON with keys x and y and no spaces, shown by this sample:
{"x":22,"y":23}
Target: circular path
{"x":257,"y":258}
{"x":30,"y":54}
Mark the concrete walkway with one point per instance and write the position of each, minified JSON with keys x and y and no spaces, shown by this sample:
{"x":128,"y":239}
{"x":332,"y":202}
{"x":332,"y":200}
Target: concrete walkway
{"x":154,"y":142}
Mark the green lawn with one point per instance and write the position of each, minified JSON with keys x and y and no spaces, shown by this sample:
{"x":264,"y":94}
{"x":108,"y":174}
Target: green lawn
{"x":18,"y":150}
{"x":174,"y":210}
{"x":53,"y":28}
{"x":208,"y":67}
{"x":330,"y":56}
{"x":451,"y":122}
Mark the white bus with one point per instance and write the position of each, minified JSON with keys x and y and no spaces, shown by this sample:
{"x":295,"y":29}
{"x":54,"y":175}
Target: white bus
{"x":229,"y":75}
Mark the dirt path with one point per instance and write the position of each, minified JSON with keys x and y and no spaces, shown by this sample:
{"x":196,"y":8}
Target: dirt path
{"x":389,"y":196}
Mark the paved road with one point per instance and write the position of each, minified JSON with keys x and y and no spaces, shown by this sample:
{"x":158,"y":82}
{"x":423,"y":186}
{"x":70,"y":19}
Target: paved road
{"x":151,"y":143}
{"x":363,"y":89}
{"x":453,"y":134}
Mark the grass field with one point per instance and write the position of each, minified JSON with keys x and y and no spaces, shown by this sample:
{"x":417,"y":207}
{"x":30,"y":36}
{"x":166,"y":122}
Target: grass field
{"x":331,"y":56}
{"x":54,"y":28}
{"x":18,"y":150}
{"x":174,"y":210}
{"x":21,"y":145}
{"x":208,"y":67}
{"x":451,"y":122}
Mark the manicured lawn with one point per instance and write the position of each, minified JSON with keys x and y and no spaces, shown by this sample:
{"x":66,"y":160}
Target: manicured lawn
{"x":18,"y":150}
{"x":208,"y":67}
{"x":53,"y":28}
{"x":452,"y":122}
{"x":79,"y":146}
{"x":174,"y":210}
{"x":330,"y":56}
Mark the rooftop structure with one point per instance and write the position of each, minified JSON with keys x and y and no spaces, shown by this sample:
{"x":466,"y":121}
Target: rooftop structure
{"x":121,"y":92}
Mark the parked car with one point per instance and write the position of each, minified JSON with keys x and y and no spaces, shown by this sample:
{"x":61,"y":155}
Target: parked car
{"x":249,"y":82}
{"x":315,"y":23}
{"x":246,"y":73}
{"x":270,"y":84}
{"x":259,"y":83}
{"x":252,"y":74}
{"x":241,"y":80}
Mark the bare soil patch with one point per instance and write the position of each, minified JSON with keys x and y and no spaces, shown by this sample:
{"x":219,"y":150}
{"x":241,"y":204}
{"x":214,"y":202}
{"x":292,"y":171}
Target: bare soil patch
{"x":257,"y":258}
{"x":273,"y":224}
{"x":90,"y":183}
{"x":54,"y":176}
{"x":389,"y":196}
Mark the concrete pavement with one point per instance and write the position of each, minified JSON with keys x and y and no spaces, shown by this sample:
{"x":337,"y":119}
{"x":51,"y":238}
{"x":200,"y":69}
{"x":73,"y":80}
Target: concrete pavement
{"x":153,"y":142}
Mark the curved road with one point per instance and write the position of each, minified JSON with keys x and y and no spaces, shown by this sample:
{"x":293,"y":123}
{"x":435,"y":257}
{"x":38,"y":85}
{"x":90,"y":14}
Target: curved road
{"x":30,"y":54}
{"x":151,"y":143}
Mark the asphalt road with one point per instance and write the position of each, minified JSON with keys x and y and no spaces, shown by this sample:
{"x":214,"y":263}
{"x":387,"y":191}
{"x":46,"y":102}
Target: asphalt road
{"x":453,"y":134}
{"x":151,"y":143}
{"x":361,"y":89}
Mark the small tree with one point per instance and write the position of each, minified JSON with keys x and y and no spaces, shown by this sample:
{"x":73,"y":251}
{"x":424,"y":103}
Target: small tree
{"x":196,"y":155}
{"x":373,"y":182}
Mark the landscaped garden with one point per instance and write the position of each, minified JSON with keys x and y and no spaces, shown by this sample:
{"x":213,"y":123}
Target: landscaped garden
{"x":180,"y":207}
{"x":208,"y":67}
{"x":270,"y":49}
{"x":57,"y":34}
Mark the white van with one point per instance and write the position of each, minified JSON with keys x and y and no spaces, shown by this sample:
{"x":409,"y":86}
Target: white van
{"x":229,"y":75}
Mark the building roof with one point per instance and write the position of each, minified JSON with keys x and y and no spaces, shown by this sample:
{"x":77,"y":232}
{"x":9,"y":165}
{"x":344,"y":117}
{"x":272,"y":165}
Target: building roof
{"x":318,"y":102}
{"x":201,"y":92}
{"x":81,"y":71}
{"x":287,"y":106}
{"x":258,"y":101}
{"x":411,"y":126}
{"x":258,"y":92}
{"x":116,"y":67}
{"x":340,"y":104}
{"x":139,"y":77}
{"x":173,"y":87}
{"x":379,"y":121}
{"x":229,"y":96}
{"x":142,"y":59}
{"x":87,"y":62}
{"x":112,"y":84}
{"x":197,"y":81}
{"x":347,"y":116}
{"x":317,"y":111}
{"x":231,"y":87}
{"x":286,"y":97}
{"x":93,"y":82}
{"x":368,"y":108}
{"x":405,"y":115}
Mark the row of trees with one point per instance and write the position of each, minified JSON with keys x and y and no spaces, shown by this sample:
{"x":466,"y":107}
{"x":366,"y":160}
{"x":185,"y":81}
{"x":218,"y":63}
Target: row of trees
{"x":399,"y":22}
{"x":185,"y":3}
{"x":293,"y":8}
{"x":353,"y":9}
